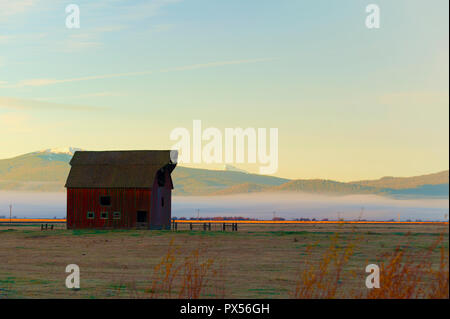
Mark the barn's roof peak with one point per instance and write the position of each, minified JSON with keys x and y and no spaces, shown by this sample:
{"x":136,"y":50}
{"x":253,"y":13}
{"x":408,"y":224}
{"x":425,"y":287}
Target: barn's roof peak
{"x":126,"y":157}
{"x":118,"y":169}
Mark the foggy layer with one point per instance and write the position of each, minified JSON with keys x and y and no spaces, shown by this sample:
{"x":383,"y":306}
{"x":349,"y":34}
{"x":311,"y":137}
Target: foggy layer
{"x":261,"y":206}
{"x":298,"y":205}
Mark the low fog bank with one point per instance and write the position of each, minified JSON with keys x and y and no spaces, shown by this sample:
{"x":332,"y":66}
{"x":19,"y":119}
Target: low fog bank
{"x":33,"y":204}
{"x":261,"y":205}
{"x":298,"y":205}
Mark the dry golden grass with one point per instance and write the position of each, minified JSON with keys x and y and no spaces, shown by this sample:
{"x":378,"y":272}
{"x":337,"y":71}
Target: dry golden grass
{"x":306,"y":261}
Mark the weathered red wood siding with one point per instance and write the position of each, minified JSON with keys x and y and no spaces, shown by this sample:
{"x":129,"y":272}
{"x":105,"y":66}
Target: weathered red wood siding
{"x":126,"y":201}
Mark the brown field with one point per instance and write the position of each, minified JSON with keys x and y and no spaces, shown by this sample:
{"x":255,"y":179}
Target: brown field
{"x":257,"y":261}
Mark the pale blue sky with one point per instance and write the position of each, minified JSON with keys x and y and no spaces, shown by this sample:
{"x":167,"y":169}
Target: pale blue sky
{"x":349,"y":102}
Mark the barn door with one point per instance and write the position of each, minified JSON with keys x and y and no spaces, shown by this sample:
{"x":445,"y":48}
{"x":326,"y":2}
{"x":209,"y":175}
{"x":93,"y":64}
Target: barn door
{"x":141,"y":219}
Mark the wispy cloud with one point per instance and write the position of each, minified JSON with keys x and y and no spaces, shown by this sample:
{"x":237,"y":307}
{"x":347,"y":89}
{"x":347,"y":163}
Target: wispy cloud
{"x":24,"y":104}
{"x":80,"y":96}
{"x":45,"y":82}
{"x":146,"y":9}
{"x":72,"y":46}
{"x":161,"y":28}
{"x":24,"y":37}
{"x":415,"y":99}
{"x":10,"y":8}
{"x":109,"y":28}
{"x":5,"y":38}
{"x":92,"y":38}
{"x":216,"y":64}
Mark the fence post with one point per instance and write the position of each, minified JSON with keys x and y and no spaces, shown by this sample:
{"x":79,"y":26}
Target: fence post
{"x":224,"y":227}
{"x":209,"y":226}
{"x":190,"y":225}
{"x":46,"y":226}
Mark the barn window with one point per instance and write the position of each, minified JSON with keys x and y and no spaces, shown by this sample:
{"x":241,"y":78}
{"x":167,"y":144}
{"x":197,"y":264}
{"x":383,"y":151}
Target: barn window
{"x":162,"y":201}
{"x":116,"y":215}
{"x":105,"y":200}
{"x":104,"y":215}
{"x":90,"y":215}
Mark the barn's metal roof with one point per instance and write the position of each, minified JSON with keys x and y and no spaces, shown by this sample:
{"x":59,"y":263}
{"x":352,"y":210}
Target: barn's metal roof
{"x":117,"y":169}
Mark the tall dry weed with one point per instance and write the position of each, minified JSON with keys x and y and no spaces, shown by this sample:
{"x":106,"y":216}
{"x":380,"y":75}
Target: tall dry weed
{"x":323,"y":280}
{"x":191,"y":275}
{"x":407,"y":272}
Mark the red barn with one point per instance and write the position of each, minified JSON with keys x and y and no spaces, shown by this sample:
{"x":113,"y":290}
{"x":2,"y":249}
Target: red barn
{"x":120,"y":189}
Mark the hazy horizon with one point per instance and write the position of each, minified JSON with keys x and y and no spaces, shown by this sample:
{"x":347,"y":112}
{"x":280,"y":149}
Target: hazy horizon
{"x":261,"y":206}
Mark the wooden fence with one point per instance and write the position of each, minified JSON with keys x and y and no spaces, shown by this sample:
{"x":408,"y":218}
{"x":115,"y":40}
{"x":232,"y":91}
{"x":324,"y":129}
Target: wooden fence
{"x":208,"y":226}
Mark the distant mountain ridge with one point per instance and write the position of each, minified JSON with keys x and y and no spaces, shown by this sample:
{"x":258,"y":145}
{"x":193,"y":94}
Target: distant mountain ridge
{"x":338,"y":188}
{"x":407,"y":182}
{"x":325,"y":186}
{"x":47,"y":170}
{"x":195,"y":181}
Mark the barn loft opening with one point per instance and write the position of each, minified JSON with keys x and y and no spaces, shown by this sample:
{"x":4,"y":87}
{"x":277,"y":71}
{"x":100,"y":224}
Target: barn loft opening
{"x":105,"y":200}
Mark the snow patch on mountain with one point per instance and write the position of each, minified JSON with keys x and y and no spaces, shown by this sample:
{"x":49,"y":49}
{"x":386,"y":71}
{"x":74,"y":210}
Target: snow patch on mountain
{"x":62,"y":150}
{"x":231,"y":168}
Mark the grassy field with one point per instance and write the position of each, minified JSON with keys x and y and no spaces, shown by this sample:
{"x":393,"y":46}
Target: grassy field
{"x":258,"y":261}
